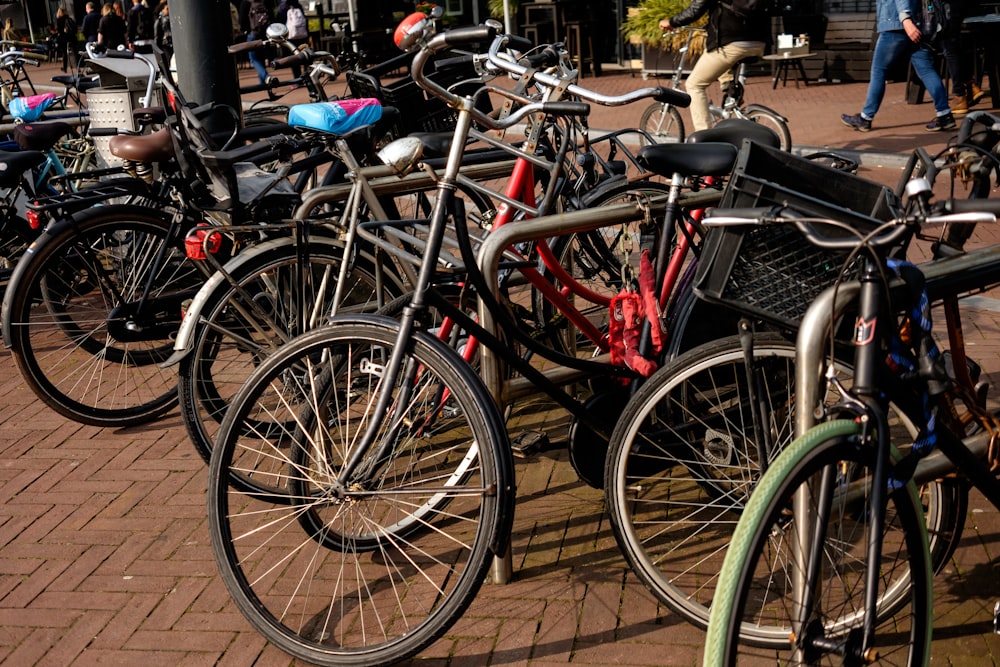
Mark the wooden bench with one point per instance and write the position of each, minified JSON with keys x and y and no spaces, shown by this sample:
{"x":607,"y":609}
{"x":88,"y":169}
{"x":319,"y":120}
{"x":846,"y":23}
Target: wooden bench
{"x":844,"y":48}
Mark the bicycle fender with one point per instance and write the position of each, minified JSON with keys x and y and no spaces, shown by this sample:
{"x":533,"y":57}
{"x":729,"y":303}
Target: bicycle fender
{"x":214,"y":289}
{"x":53,"y":232}
{"x":761,"y":107}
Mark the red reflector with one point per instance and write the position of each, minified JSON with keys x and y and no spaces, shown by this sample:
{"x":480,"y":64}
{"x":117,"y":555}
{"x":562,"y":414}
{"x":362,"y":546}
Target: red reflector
{"x":195,"y":244}
{"x":35,"y":220}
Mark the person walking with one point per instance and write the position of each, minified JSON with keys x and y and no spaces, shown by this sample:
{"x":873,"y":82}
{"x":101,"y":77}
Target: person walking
{"x":140,"y":27}
{"x":162,"y":34}
{"x":88,"y":26}
{"x":111,"y":31}
{"x":290,"y":13}
{"x":729,"y":40}
{"x":964,"y":89}
{"x":65,"y":36}
{"x":899,"y":37}
{"x":255,"y":16}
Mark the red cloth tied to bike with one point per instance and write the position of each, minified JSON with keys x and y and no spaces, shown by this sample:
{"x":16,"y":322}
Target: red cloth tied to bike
{"x":629,"y":310}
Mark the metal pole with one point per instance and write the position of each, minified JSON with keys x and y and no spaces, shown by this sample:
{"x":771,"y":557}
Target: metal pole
{"x":205,"y":71}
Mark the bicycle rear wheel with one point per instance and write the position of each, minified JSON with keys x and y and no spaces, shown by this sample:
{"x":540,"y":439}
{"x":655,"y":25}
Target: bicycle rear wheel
{"x":91,"y":313}
{"x":372,"y":569}
{"x":756,"y":583}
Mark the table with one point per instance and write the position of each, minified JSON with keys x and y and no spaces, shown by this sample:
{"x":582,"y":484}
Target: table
{"x":785,"y":60}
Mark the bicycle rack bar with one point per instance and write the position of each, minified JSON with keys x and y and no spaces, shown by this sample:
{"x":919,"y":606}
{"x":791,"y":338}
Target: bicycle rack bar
{"x":489,"y":261}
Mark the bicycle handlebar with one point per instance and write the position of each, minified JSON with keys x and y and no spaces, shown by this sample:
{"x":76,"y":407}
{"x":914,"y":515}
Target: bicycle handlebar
{"x":952,"y":211}
{"x":253,"y":45}
{"x":972,"y":119}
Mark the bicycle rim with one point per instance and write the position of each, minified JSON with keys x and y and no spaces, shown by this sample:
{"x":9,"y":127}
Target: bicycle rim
{"x":756,"y":585}
{"x":374,"y":573}
{"x":86,"y":339}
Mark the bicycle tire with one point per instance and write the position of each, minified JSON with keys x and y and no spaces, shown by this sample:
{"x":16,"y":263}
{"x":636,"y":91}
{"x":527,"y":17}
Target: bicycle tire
{"x":663,"y":122}
{"x":766,"y":523}
{"x":773,"y":122}
{"x":683,"y":459}
{"x":595,"y":260}
{"x":69,"y":304}
{"x":232,"y":336}
{"x":361,"y":541}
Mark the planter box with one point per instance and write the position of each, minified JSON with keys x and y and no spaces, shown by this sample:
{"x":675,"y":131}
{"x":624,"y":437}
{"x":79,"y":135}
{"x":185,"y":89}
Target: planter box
{"x":656,"y":62}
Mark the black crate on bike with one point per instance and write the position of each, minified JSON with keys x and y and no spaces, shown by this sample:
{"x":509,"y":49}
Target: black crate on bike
{"x":773,"y":272}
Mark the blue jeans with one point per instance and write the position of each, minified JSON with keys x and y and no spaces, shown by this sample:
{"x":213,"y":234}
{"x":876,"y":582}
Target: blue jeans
{"x":255,"y":61}
{"x":889,"y":48}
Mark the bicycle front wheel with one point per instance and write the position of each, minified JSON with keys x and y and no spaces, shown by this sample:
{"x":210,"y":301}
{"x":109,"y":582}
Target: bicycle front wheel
{"x":823,"y":477}
{"x":663,"y":122}
{"x":773,"y":122}
{"x":367,"y":570}
{"x":90,"y":315}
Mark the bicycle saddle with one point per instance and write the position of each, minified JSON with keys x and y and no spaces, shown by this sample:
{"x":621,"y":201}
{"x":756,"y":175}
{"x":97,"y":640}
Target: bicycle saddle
{"x":13,"y":164}
{"x":40,"y":136}
{"x":155,"y":147}
{"x":734,"y":131}
{"x":701,"y":159}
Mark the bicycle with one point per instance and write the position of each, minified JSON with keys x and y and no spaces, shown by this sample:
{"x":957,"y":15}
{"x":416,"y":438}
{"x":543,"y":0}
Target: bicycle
{"x":836,"y":525}
{"x":665,"y":124}
{"x":426,"y":483}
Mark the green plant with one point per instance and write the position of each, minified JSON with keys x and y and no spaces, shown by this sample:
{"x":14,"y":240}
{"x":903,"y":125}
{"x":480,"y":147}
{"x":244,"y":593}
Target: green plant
{"x":495,"y":8}
{"x":643,"y":25}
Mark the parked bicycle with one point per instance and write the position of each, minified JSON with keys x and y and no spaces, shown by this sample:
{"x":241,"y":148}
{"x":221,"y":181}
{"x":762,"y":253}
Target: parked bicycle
{"x":664,"y":122}
{"x":835,"y":550}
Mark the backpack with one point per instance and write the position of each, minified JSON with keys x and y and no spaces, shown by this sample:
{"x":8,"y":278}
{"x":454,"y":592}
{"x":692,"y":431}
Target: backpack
{"x":750,"y":9}
{"x":295,"y":21}
{"x":260,"y":18}
{"x":934,"y":20}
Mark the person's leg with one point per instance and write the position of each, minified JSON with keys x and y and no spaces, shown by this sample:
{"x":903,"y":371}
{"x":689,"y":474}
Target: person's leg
{"x":710,"y":66}
{"x":923,"y":64}
{"x":889,"y":47}
{"x":255,"y":61}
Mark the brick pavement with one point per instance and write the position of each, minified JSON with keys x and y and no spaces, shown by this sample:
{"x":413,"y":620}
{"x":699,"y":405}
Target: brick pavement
{"x":105,"y":557}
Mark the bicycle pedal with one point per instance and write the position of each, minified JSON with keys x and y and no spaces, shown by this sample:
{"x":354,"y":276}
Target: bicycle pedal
{"x":529,"y":443}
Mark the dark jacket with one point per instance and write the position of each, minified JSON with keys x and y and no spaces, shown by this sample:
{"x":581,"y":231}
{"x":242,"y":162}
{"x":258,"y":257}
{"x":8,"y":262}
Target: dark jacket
{"x":89,"y":25}
{"x":724,"y":27}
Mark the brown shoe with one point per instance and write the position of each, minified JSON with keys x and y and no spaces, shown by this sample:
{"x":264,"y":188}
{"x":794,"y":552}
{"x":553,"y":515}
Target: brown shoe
{"x":959,"y":105}
{"x":975,"y":93}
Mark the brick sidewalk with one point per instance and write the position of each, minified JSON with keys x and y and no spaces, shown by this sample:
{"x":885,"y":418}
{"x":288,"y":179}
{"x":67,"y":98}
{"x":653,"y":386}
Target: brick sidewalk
{"x":106,"y":560}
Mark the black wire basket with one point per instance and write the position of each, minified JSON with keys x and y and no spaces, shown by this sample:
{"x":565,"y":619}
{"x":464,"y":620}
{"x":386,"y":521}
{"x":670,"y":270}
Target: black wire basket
{"x":773,"y":272}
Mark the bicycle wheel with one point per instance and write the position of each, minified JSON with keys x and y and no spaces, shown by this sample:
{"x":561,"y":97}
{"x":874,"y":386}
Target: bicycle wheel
{"x":277,"y":291}
{"x":756,"y":584}
{"x":773,"y":122}
{"x":91,"y":313}
{"x":663,"y":122}
{"x":685,"y":457}
{"x":597,"y":261}
{"x":367,"y":570}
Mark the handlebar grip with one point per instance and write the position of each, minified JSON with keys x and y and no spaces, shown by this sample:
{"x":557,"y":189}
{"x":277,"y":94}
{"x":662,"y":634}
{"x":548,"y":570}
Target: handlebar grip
{"x":294,"y":59}
{"x":566,"y":108}
{"x":246,"y":46}
{"x":469,"y":35}
{"x":672,"y":96}
{"x":38,"y":58}
{"x":519,"y":43}
{"x":547,"y":57}
{"x":115,"y":53}
{"x":973,"y":206}
{"x":457,"y":61}
{"x":102,"y":131}
{"x":256,"y":88}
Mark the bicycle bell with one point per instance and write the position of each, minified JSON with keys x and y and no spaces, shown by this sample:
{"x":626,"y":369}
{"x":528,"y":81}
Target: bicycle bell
{"x":277,"y":31}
